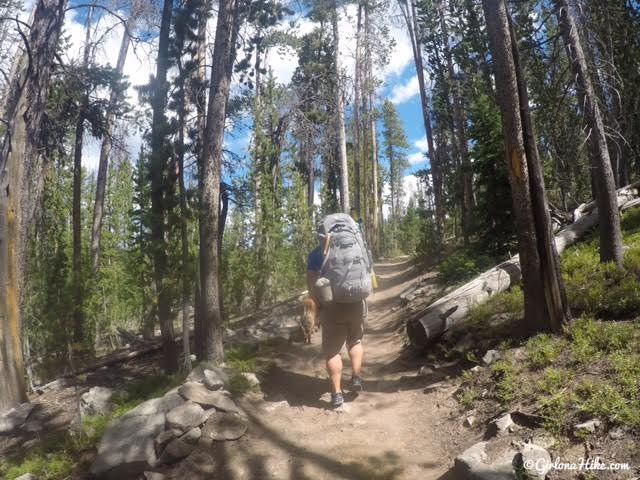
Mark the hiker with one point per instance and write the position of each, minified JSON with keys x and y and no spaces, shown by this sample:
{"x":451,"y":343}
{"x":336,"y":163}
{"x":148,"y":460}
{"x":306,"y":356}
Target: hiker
{"x":339,"y":279}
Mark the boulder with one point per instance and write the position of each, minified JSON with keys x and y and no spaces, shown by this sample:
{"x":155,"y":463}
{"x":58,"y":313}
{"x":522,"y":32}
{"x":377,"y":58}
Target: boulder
{"x":224,"y":426}
{"x":198,"y":393}
{"x":154,"y":406}
{"x":161,"y":441}
{"x":215,"y":378}
{"x":586,"y":428}
{"x":491,"y":356}
{"x":96,"y":401}
{"x":176,"y":449}
{"x":127,"y":446}
{"x":252,"y":379}
{"x":476,"y":464}
{"x":535,"y":461}
{"x":154,"y":476}
{"x":503,"y":423}
{"x":14,"y":418}
{"x":192,"y":436}
{"x":186,"y":416}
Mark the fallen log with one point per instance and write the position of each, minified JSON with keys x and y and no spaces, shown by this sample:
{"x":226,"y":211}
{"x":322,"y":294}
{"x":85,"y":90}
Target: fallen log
{"x":442,"y":314}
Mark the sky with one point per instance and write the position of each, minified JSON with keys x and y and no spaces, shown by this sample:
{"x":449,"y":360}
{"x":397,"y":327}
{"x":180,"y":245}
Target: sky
{"x":400,"y":84}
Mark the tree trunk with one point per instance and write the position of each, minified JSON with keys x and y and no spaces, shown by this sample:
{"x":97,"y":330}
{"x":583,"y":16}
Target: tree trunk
{"x":105,"y":151}
{"x":340,"y":130}
{"x":17,"y":164}
{"x":602,"y":173}
{"x":357,"y":154}
{"x":159,"y":158}
{"x":223,"y":56}
{"x":415,"y":35}
{"x":545,"y":302}
{"x":454,"y":307}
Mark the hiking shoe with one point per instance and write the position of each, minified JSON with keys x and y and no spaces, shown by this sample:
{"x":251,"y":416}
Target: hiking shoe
{"x":356,"y":384}
{"x":337,"y":399}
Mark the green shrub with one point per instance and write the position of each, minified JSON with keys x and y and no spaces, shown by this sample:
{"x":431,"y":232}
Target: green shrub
{"x":591,"y":339}
{"x":242,"y":358}
{"x":509,"y":302}
{"x":544,"y":349}
{"x":505,"y":375}
{"x":463,"y":264}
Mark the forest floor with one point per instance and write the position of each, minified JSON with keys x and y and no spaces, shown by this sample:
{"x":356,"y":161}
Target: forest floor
{"x":404,"y":425}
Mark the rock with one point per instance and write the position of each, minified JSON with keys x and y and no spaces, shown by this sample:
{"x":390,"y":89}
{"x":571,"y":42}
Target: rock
{"x":198,"y":393}
{"x":252,"y":379}
{"x":164,"y":404}
{"x":154,"y":476}
{"x":192,"y":436}
{"x":175,"y":450}
{"x":14,"y":418}
{"x":33,"y":426}
{"x":27,"y":476}
{"x":127,"y":446}
{"x":215,"y":378}
{"x":96,"y":401}
{"x":503,"y":423}
{"x":586,"y":428}
{"x":192,"y":357}
{"x":535,"y":461}
{"x":224,"y":426}
{"x":477,"y":369}
{"x":272,"y":406}
{"x":475,"y":463}
{"x":617,"y":433}
{"x":197,"y":374}
{"x":161,"y":441}
{"x":470,"y":421}
{"x":491,"y":356}
{"x":186,"y":416}
{"x":543,"y":440}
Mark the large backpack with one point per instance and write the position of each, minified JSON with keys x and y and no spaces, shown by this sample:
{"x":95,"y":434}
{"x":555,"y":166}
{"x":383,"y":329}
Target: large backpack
{"x":347,"y":261}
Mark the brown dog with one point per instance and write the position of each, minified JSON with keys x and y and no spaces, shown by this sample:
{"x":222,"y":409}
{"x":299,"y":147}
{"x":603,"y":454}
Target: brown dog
{"x":309,"y":321}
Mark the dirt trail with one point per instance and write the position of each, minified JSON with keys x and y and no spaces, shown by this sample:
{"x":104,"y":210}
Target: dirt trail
{"x":400,"y":427}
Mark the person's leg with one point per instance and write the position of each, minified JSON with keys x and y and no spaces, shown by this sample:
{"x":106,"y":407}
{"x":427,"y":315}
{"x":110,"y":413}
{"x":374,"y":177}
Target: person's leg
{"x":354,"y":339}
{"x":334,"y":369}
{"x":356,"y":352}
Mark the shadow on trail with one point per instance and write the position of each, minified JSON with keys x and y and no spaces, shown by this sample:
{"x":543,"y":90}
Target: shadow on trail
{"x":385,"y":467}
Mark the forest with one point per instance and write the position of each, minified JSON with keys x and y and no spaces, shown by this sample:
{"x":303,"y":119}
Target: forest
{"x":161,"y":177}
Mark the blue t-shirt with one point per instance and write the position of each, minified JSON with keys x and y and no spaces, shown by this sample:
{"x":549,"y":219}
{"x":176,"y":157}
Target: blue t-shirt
{"x":314,"y":262}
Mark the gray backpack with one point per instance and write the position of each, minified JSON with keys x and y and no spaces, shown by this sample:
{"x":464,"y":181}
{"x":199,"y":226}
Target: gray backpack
{"x":347,"y":261}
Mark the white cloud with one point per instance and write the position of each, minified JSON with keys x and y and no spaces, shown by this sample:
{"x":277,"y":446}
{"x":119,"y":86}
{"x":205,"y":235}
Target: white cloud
{"x":405,"y":91}
{"x":422,"y":144}
{"x":416,"y":157}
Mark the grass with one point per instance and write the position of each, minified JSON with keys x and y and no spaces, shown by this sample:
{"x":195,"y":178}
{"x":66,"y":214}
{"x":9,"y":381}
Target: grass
{"x":58,"y":454}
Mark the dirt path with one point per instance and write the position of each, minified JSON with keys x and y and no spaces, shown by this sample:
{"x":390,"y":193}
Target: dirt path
{"x":398,"y":428}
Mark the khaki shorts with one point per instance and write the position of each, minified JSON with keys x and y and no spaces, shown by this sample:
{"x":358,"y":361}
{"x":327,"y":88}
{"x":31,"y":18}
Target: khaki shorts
{"x":341,"y":322}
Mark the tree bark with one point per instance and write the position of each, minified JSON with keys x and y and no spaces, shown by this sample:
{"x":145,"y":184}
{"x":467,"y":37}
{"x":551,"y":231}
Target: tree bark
{"x":340,"y":129}
{"x":105,"y":151}
{"x":17,"y":164}
{"x":602,"y":173}
{"x":454,"y":307}
{"x":357,"y":154}
{"x":545,"y":301}
{"x":159,"y":160}
{"x":223,"y":56}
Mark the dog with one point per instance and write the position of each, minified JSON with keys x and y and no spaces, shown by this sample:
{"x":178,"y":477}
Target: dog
{"x":309,"y":321}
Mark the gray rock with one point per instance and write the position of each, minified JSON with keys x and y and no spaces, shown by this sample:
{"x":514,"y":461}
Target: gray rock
{"x":503,"y":423}
{"x":14,"y":418}
{"x":161,"y":441}
{"x":491,"y":356}
{"x":127,"y":446}
{"x":198,"y":393}
{"x":477,"y":369}
{"x":33,"y":426}
{"x":469,"y":421}
{"x":587,"y":427}
{"x":215,"y":378}
{"x":186,"y":416}
{"x":617,"y":433}
{"x":96,"y":401}
{"x":272,"y":406}
{"x":224,"y":426}
{"x":177,"y":449}
{"x":475,"y":463}
{"x":27,"y":476}
{"x":252,"y":379}
{"x":192,"y":436}
{"x":197,"y":374}
{"x":164,"y":404}
{"x":154,"y":476}
{"x":535,"y":461}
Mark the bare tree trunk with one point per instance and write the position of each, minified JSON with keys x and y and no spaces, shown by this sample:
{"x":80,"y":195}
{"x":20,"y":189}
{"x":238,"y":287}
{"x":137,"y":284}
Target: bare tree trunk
{"x":159,"y":158}
{"x":223,"y":56}
{"x":409,"y":12}
{"x":17,"y":164}
{"x":545,"y":301}
{"x":340,"y":130}
{"x":357,"y":177}
{"x":105,"y":151}
{"x":610,"y":234}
